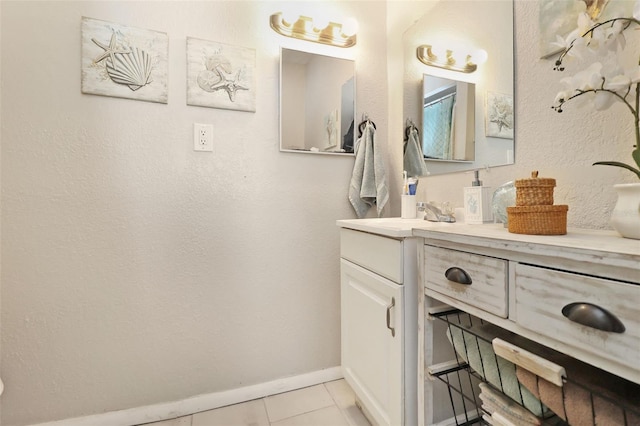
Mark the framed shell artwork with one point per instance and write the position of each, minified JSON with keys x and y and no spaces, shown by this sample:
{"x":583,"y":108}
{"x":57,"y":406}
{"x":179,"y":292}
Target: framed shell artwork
{"x":220,"y":75}
{"x":124,"y":62}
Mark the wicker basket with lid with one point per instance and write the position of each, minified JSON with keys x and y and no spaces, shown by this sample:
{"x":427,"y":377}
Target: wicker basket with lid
{"x":538,"y":220}
{"x":535,"y":191}
{"x":534,"y":212}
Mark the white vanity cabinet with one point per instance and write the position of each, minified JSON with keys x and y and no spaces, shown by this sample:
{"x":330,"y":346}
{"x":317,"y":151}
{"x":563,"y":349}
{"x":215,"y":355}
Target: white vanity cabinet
{"x":529,"y":285}
{"x":379,"y":299}
{"x":372,"y":338}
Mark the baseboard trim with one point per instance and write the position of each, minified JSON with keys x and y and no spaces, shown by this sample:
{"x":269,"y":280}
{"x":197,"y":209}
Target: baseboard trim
{"x":196,"y":404}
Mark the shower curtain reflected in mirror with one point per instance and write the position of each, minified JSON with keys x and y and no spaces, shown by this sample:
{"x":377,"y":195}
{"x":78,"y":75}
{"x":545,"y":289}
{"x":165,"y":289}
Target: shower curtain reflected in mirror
{"x":437,"y":141}
{"x":448,"y":119}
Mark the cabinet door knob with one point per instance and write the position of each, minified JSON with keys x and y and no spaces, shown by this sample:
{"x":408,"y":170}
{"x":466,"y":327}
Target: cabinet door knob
{"x":458,"y":275}
{"x":393,"y":330}
{"x":593,"y":316}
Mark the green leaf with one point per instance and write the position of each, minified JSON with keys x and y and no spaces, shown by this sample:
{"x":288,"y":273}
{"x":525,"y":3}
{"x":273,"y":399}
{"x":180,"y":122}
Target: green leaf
{"x":618,"y":164}
{"x":636,"y":156}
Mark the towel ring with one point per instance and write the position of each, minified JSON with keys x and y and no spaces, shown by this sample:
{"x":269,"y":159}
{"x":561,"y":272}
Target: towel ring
{"x":409,"y":126}
{"x":363,"y":124}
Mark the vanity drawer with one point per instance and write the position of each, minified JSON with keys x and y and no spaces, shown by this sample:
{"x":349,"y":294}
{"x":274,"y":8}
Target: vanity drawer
{"x":379,"y":254}
{"x":488,"y":288}
{"x":542,"y":294}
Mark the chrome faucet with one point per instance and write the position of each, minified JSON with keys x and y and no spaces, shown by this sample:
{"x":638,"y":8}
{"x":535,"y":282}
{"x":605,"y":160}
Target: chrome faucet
{"x":433,"y":213}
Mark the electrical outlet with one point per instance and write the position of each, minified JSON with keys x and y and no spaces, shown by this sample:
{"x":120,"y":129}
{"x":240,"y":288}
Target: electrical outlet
{"x":202,"y":137}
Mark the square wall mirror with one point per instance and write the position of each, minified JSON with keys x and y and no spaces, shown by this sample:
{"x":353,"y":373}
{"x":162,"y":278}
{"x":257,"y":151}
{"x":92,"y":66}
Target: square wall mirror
{"x":317,"y":103}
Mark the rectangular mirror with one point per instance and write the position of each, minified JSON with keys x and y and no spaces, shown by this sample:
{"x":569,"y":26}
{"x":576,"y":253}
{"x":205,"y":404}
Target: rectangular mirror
{"x":448,"y":119}
{"x":464,"y":23}
{"x":317,"y":103}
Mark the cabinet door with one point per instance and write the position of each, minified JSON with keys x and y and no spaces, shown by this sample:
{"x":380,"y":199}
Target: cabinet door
{"x":372,"y":342}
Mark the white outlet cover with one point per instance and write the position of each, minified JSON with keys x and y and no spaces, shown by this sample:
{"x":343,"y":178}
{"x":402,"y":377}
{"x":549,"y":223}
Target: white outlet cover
{"x":202,"y":137}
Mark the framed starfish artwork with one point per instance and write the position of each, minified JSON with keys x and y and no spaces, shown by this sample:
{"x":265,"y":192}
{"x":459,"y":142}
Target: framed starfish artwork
{"x":220,"y":75}
{"x":499,"y":116}
{"x":124,"y":62}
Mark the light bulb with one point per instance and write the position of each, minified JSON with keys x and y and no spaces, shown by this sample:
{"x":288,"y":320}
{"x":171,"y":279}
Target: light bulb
{"x":350,"y":27}
{"x":439,"y":52}
{"x":480,"y":56}
{"x":290,"y":17}
{"x":460,"y":57}
{"x":320,"y":22}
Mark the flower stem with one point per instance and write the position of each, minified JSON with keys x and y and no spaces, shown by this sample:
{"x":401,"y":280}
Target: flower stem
{"x":628,"y":23}
{"x":622,"y":98}
{"x":634,"y":107}
{"x":636,"y":117}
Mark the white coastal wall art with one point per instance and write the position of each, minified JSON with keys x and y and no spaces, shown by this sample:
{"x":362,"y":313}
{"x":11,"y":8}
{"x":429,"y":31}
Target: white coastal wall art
{"x":220,"y":75}
{"x":124,"y":62}
{"x":499,"y":116}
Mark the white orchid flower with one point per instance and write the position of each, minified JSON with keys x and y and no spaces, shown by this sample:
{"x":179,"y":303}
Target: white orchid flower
{"x":580,"y":48}
{"x":584,"y":23}
{"x":580,"y":101}
{"x":587,"y":79}
{"x":613,"y":36}
{"x":597,"y":39}
{"x":611,"y":69}
{"x":607,"y":39}
{"x":574,"y":41}
{"x":603,"y":81}
{"x":603,"y":100}
{"x":600,"y":85}
{"x":572,"y":37}
{"x":562,"y":96}
{"x":634,"y":74}
{"x":593,"y":81}
{"x":619,"y":84}
{"x":622,"y":81}
{"x":560,"y":43}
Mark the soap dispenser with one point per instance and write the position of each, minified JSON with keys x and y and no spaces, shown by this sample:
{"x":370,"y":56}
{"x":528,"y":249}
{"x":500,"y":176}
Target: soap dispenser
{"x":477,"y":202}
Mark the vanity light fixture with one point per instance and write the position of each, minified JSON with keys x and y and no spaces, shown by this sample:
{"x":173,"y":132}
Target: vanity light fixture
{"x":449,"y":60}
{"x":302,"y":27}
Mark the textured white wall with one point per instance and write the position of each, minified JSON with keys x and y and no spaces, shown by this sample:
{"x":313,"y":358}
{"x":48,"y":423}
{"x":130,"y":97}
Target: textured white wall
{"x":561,"y":146}
{"x":137,"y":271}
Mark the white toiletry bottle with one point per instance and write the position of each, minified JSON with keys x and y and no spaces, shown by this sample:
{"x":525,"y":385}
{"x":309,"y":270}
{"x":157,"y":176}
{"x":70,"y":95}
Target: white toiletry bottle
{"x":477,"y":202}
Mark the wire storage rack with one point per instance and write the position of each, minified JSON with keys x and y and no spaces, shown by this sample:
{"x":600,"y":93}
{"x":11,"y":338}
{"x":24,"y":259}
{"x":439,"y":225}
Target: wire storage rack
{"x":487,"y":389}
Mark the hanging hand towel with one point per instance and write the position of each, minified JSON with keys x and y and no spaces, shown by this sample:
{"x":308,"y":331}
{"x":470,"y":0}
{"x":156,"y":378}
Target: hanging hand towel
{"x":413,"y":158}
{"x":368,"y":184}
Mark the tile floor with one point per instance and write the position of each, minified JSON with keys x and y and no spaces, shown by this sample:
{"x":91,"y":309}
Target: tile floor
{"x":328,"y":404}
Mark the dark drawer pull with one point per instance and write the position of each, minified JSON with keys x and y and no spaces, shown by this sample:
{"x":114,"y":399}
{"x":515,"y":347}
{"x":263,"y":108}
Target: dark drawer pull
{"x":393,"y":330}
{"x":458,"y":275}
{"x":593,"y":316}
